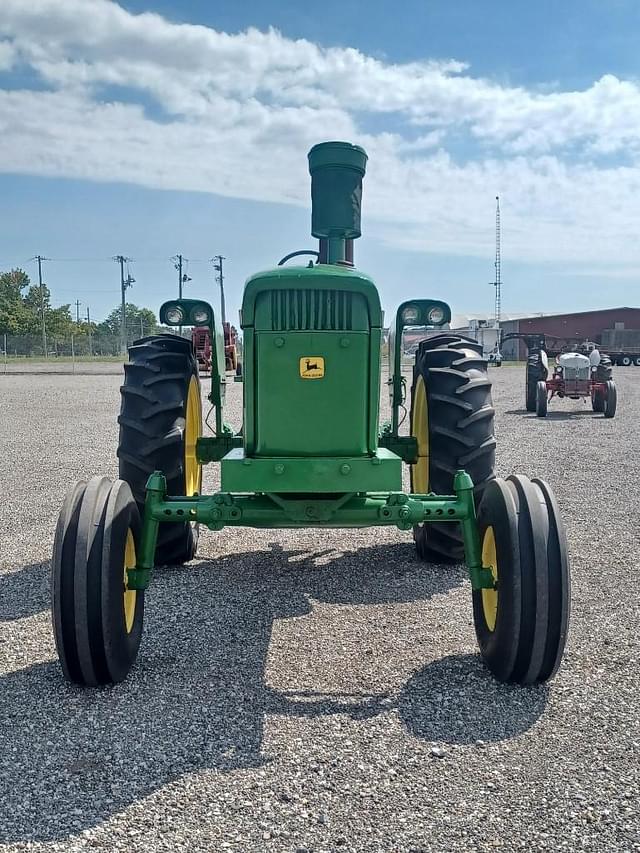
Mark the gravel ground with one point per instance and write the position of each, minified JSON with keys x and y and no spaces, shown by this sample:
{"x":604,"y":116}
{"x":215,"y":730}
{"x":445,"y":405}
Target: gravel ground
{"x":320,"y":690}
{"x":54,"y":366}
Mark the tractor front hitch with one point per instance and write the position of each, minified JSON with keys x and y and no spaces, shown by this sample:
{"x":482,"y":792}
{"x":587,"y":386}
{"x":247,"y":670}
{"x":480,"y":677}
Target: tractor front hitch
{"x":225,"y":509}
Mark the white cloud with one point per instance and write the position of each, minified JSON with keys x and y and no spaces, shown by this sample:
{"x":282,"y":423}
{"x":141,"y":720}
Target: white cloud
{"x":7,"y":55}
{"x":238,"y":112}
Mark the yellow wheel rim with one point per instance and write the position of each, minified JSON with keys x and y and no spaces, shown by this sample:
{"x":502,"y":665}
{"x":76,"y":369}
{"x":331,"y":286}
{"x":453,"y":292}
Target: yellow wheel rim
{"x":420,"y":429}
{"x":130,"y":595}
{"x":192,"y":432}
{"x":490,"y":561}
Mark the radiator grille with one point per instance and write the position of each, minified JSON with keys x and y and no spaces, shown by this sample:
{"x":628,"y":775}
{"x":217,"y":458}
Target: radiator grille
{"x":305,"y":310}
{"x":575,"y":373}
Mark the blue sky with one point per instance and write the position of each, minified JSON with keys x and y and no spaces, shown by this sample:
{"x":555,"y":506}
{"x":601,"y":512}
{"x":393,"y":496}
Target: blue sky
{"x":124,"y":132}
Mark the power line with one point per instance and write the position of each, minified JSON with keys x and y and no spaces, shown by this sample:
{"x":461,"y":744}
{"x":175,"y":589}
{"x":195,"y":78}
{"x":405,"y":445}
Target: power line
{"x":157,"y":260}
{"x":80,"y":260}
{"x":89,"y":292}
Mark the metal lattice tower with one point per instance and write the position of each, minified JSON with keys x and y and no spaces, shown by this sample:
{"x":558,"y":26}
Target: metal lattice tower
{"x":498,"y":280}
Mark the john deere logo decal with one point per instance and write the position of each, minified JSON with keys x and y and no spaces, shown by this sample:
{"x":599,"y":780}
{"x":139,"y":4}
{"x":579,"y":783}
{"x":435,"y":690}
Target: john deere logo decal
{"x":312,"y":367}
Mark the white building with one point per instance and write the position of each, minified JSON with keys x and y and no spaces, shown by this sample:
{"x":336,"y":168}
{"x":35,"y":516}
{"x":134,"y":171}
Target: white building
{"x":482,"y":328}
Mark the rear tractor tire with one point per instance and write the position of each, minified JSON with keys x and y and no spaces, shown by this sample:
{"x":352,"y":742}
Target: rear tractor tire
{"x":97,"y":619}
{"x":603,"y":374}
{"x":542,"y":401}
{"x":610,"y":400}
{"x":452,"y":417}
{"x":536,"y":371}
{"x":522,"y":624}
{"x":604,"y":371}
{"x":160,"y":423}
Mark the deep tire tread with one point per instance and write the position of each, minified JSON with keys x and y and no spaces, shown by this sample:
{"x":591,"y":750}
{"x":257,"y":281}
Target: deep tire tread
{"x":535,"y":372}
{"x":152,"y":418}
{"x":461,"y":417}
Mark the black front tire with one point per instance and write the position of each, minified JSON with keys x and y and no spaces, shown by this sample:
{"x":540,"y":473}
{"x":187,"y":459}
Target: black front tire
{"x":597,"y":400}
{"x":522,"y":626}
{"x":610,"y":400}
{"x":541,"y":400}
{"x":97,"y":622}
{"x":152,"y":430}
{"x":460,"y":419}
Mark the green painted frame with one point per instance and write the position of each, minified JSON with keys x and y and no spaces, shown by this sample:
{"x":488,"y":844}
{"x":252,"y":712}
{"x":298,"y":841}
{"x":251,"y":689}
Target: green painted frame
{"x":272,"y":510}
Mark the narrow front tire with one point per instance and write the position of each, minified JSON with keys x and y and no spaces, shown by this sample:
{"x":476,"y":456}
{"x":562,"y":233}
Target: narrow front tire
{"x":542,"y":402}
{"x":610,"y":400}
{"x":97,"y":619}
{"x":522,"y":624}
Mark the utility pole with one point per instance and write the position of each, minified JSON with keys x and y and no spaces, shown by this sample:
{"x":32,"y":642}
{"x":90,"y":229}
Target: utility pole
{"x":124,"y":284}
{"x":183,"y":278}
{"x":40,"y":259}
{"x":89,"y":330}
{"x":217,"y":266}
{"x":78,"y":304}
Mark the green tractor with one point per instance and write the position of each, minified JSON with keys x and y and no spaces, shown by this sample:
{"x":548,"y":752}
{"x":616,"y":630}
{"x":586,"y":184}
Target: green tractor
{"x":311,"y":454}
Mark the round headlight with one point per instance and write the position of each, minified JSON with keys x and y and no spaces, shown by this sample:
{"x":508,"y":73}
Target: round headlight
{"x":436,"y":316}
{"x":175,"y":316}
{"x":200,"y":316}
{"x":410,"y":315}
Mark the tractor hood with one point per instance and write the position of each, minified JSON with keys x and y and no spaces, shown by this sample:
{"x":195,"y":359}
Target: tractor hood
{"x":573,"y":359}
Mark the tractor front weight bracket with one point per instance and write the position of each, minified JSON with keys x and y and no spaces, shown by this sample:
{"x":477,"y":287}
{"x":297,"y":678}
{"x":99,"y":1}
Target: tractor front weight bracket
{"x":264,"y":510}
{"x":140,"y":577}
{"x":480,"y":576}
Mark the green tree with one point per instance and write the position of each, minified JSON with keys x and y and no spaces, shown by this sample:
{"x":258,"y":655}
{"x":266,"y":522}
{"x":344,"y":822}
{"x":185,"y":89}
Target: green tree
{"x":58,"y":321}
{"x":138,"y":320}
{"x":60,"y":325}
{"x":16,"y":318}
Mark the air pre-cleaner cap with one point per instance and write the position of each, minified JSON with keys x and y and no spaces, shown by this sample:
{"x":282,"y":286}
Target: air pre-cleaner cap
{"x":336,"y":169}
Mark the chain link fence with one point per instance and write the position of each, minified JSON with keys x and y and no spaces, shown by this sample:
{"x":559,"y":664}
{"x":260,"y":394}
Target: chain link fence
{"x":72,"y":353}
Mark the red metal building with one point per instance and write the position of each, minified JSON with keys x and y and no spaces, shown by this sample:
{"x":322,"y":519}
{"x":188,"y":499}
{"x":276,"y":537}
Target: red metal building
{"x":581,"y":324}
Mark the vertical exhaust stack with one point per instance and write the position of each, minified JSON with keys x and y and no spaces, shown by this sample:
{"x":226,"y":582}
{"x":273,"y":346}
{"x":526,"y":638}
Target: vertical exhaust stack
{"x":337,"y":170}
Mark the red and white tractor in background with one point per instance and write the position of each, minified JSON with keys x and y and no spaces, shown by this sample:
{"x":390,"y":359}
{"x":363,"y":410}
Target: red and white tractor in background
{"x":201,"y":340}
{"x":575,"y":375}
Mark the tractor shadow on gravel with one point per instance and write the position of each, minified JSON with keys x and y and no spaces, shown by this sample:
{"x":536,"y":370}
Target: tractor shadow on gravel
{"x":197,"y":697}
{"x":456,"y":700}
{"x":557,"y":415}
{"x":25,"y":592}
